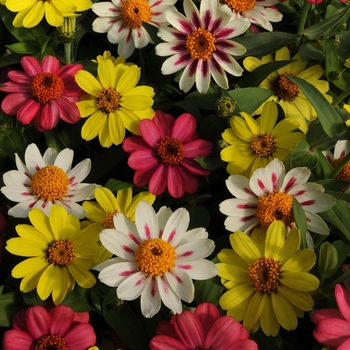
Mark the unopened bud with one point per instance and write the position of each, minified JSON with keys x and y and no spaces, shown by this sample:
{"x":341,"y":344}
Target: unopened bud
{"x":225,"y":106}
{"x":68,"y":30}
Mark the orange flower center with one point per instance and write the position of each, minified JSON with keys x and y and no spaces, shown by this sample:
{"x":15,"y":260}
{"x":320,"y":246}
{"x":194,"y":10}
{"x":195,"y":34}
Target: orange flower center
{"x":155,"y":256}
{"x":50,"y":342}
{"x":345,"y":172}
{"x":108,"y":100}
{"x":60,"y":253}
{"x":284,"y":88}
{"x":46,"y":87}
{"x":108,"y":221}
{"x":263,"y":145}
{"x":264,"y":274}
{"x":275,"y":206}
{"x":134,"y":12}
{"x":170,"y":150}
{"x":50,"y":183}
{"x":201,"y":44}
{"x":240,"y":5}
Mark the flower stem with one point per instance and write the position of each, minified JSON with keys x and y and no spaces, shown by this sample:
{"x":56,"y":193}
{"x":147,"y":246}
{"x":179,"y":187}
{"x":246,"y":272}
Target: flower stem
{"x":68,"y":52}
{"x":341,"y":97}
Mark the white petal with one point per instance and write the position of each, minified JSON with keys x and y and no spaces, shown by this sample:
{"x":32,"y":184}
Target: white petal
{"x":233,"y":28}
{"x":294,"y":177}
{"x":73,"y":208}
{"x":238,"y":185}
{"x":117,"y":32}
{"x":176,"y":226}
{"x":341,"y":148}
{"x":163,"y":216}
{"x":141,"y":37}
{"x":127,"y":227}
{"x":126,"y":45}
{"x":179,"y":21}
{"x":240,"y":208}
{"x":114,"y":274}
{"x":173,"y":63}
{"x":79,"y":172}
{"x":50,"y":156}
{"x":170,"y":35}
{"x":202,"y":76}
{"x":200,"y":269}
{"x":21,"y":166}
{"x":218,"y":75}
{"x":17,"y":178}
{"x":316,"y":224}
{"x":245,"y":224}
{"x":193,"y":235}
{"x":64,"y":160}
{"x":105,"y":9}
{"x":150,"y":299}
{"x":168,"y":296}
{"x":188,"y":77}
{"x":21,"y":209}
{"x":146,"y":221}
{"x":194,"y":250}
{"x":191,"y":12}
{"x":18,"y":193}
{"x":107,"y":263}
{"x":228,"y":63}
{"x":102,"y":25}
{"x":43,"y":206}
{"x":181,"y":283}
{"x":79,"y":193}
{"x":132,"y":287}
{"x":33,"y":159}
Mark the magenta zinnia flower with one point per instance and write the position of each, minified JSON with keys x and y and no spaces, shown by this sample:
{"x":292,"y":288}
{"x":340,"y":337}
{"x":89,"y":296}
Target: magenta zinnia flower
{"x":203,"y":329}
{"x":163,"y":156}
{"x":333,"y":325}
{"x":59,"y":328}
{"x":43,"y":93}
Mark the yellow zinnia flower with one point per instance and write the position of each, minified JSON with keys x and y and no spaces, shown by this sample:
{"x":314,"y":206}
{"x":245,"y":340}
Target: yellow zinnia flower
{"x":255,"y":143}
{"x":31,"y":12}
{"x":286,"y":93}
{"x":59,"y":253}
{"x":267,"y":279}
{"x":115,"y":102}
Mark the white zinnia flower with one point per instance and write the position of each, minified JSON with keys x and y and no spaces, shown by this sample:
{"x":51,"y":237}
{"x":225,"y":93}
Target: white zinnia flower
{"x":46,"y":180}
{"x":156,"y":258}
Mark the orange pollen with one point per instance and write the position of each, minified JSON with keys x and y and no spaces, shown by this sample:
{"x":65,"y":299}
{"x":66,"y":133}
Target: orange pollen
{"x":240,"y":5}
{"x":264,"y":274}
{"x":60,"y":253}
{"x":50,"y":342}
{"x":46,"y":87}
{"x":275,"y":206}
{"x":263,"y":145}
{"x":201,"y":44}
{"x":50,"y":183}
{"x":155,"y":256}
{"x":170,"y":151}
{"x":134,"y":12}
{"x":345,"y":172}
{"x":284,"y":88}
{"x":108,"y":221}
{"x":108,"y":100}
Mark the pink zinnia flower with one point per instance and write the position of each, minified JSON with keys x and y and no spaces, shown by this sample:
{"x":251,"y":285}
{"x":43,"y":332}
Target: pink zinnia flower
{"x":333,"y":325}
{"x":59,"y":328}
{"x":43,"y":93}
{"x":163,"y":156}
{"x":203,"y":329}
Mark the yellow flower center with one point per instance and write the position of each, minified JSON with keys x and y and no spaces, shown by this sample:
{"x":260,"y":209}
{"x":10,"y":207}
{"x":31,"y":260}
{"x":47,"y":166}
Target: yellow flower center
{"x":263,"y":145}
{"x":50,"y":342}
{"x":108,"y":100}
{"x":240,"y":5}
{"x":284,"y":88}
{"x":275,"y":206}
{"x":264,"y":274}
{"x":46,"y":87}
{"x":134,"y":12}
{"x":60,"y":253}
{"x":155,"y":256}
{"x":108,"y":221}
{"x":201,"y":44}
{"x":170,"y":150}
{"x":50,"y":183}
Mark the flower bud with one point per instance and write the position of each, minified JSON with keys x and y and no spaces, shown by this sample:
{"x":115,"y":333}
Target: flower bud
{"x":68,"y":30}
{"x":225,"y":106}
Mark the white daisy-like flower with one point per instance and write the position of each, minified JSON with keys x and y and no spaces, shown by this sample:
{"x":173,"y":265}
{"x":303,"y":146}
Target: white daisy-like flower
{"x":341,"y":149}
{"x":46,"y":180}
{"x":200,"y":43}
{"x":122,"y":21}
{"x":258,"y":12}
{"x":157,"y":258}
{"x":268,"y":196}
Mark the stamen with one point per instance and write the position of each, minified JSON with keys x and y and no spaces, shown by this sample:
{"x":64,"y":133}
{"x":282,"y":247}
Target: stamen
{"x":60,"y":253}
{"x":263,"y":145}
{"x":170,"y":151}
{"x":50,"y":342}
{"x":108,"y":100}
{"x":108,"y":221}
{"x":264,"y":274}
{"x":201,"y":44}
{"x":46,"y":87}
{"x":284,"y":88}
{"x":275,"y":206}
{"x":134,"y":12}
{"x":155,"y":256}
{"x":50,"y":183}
{"x":240,"y":5}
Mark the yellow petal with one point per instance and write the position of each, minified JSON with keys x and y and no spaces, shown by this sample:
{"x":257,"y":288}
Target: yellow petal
{"x":239,"y":311}
{"x":258,"y":237}
{"x":61,"y":286}
{"x":284,"y":127}
{"x":254,"y":309}
{"x":30,"y":267}
{"x":59,"y":222}
{"x":129,"y":79}
{"x":301,"y":300}
{"x":268,"y":320}
{"x":94,"y":125}
{"x":47,"y":281}
{"x":233,"y":273}
{"x":19,"y":5}
{"x":284,"y":311}
{"x":29,"y":233}
{"x":275,"y":238}
{"x":42,"y":223}
{"x":233,"y":297}
{"x":229,"y":256}
{"x":35,"y":15}
{"x":302,"y":281}
{"x":87,"y":107}
{"x":245,"y":129}
{"x":106,"y":199}
{"x":83,"y":277}
{"x":107,"y":74}
{"x":142,"y":196}
{"x":24,"y":247}
{"x":89,"y":234}
{"x":244,"y":247}
{"x":268,"y":117}
{"x":116,"y":128}
{"x":94,"y":212}
{"x":290,"y":246}
{"x":53,"y":16}
{"x":88,"y":82}
{"x":303,"y":260}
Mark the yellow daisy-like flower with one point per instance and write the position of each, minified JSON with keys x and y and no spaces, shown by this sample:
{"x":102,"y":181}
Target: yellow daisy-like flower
{"x":267,"y":279}
{"x":108,"y":56}
{"x":286,"y":93}
{"x":31,"y":12}
{"x":255,"y":143}
{"x":115,"y":102}
{"x":59,"y":253}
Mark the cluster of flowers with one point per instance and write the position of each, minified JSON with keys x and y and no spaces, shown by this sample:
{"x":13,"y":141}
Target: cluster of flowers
{"x":140,"y":241}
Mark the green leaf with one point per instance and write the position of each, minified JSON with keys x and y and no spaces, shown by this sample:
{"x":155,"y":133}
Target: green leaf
{"x":78,"y":299}
{"x":116,"y":185}
{"x":311,"y":52}
{"x":327,"y":260}
{"x":24,"y":48}
{"x":14,"y":142}
{"x":332,"y":60}
{"x":328,"y":117}
{"x":10,"y":304}
{"x":343,"y":250}
{"x":209,"y":290}
{"x":153,"y":32}
{"x":212,"y":127}
{"x":245,"y":101}
{"x":340,"y":166}
{"x":316,"y":31}
{"x":210,"y":163}
{"x":53,"y":140}
{"x":318,"y":139}
{"x":300,"y":221}
{"x":302,"y":155}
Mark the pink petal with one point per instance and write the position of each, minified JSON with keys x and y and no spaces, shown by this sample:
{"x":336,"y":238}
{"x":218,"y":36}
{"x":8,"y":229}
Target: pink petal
{"x":19,"y":77}
{"x":343,"y":300}
{"x":28,"y":111}
{"x":176,"y":181}
{"x":158,"y":181}
{"x":10,"y":86}
{"x":68,"y":112}
{"x":198,"y":148}
{"x":207,"y":314}
{"x":142,"y":159}
{"x":49,"y":116}
{"x":38,"y":321}
{"x":80,"y":337}
{"x":321,"y":314}
{"x":164,"y":122}
{"x":67,"y":72}
{"x":50,"y":64}
{"x":17,"y":340}
{"x":166,"y":328}
{"x":13,"y":102}
{"x":163,"y":342}
{"x":150,"y":132}
{"x":184,"y":127}
{"x":19,"y":321}
{"x":134,"y":143}
{"x":31,"y":66}
{"x":142,"y":177}
{"x":345,"y":345}
{"x":195,"y":168}
{"x":61,"y":318}
{"x":332,"y":332}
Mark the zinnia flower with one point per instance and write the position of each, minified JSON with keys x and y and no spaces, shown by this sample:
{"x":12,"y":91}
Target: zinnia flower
{"x":267,"y":279}
{"x":44,"y":92}
{"x":268,"y":196}
{"x":122,"y":21}
{"x":59,"y":253}
{"x":255,"y":143}
{"x":286,"y":93}
{"x":47,"y":180}
{"x":333,"y":325}
{"x":31,"y":12}
{"x":156,"y":258}
{"x":115,"y":102}
{"x":202,"y":329}
{"x":164,"y":155}
{"x":59,"y":328}
{"x":259,"y":12}
{"x":200,"y":43}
